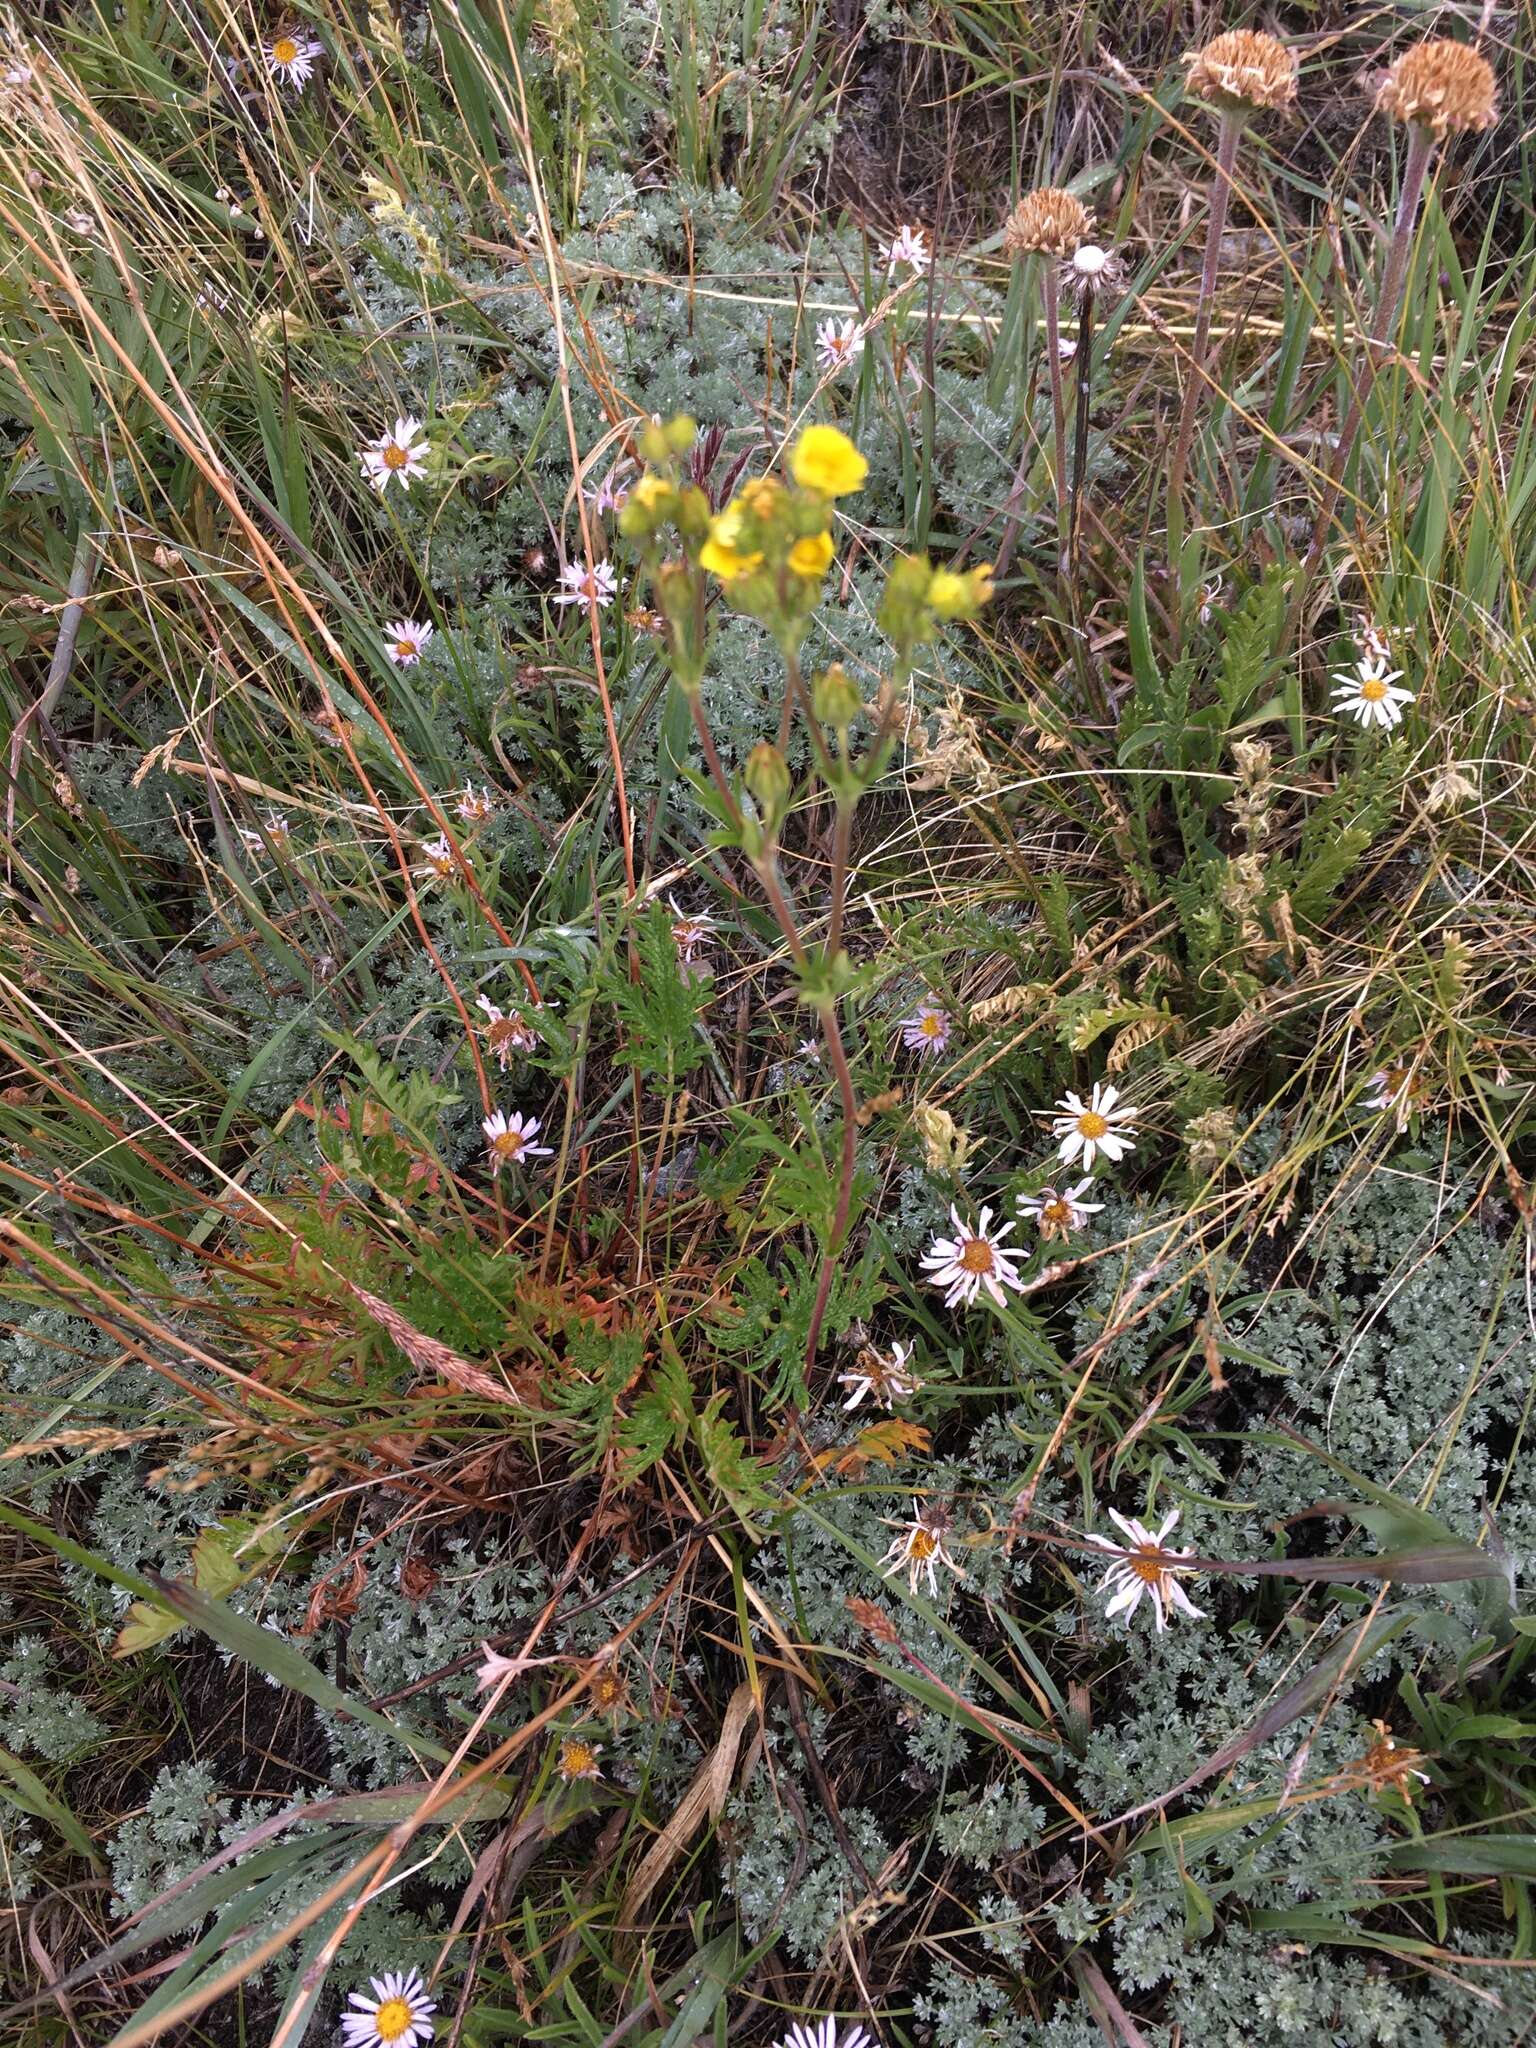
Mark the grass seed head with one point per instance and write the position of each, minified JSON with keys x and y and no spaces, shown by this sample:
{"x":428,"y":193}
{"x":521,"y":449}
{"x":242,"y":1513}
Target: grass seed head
{"x":1442,"y":86}
{"x":1047,"y":222}
{"x":1243,"y":68}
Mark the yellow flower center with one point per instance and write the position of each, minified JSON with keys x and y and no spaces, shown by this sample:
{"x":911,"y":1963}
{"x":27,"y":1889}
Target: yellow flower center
{"x":1373,"y":689}
{"x":976,"y":1255}
{"x":392,"y":2019}
{"x":405,"y":649}
{"x":284,"y":50}
{"x":396,"y":457}
{"x":1091,"y":1125}
{"x":508,"y":1145}
{"x":1147,"y":1564}
{"x":1058,"y":1213}
{"x":577,"y":1760}
{"x":931,"y":1026}
{"x":924,"y":1544}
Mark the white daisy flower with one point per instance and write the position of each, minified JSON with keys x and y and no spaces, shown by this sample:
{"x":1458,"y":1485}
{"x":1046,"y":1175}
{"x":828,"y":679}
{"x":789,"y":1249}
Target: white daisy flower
{"x":884,"y":1379}
{"x":927,"y":1029}
{"x":1088,"y":1128}
{"x":839,"y":347}
{"x":1059,"y":1214}
{"x":404,"y":640}
{"x":473,"y":805}
{"x":910,"y":248}
{"x":919,"y":1549}
{"x":584,"y":588}
{"x":437,"y":863}
{"x":578,"y":1759}
{"x":1143,"y":1566}
{"x":506,"y":1033}
{"x":809,"y":1048}
{"x":397,"y":453}
{"x":826,"y":2033}
{"x":971,"y":1260}
{"x":510,"y":1138}
{"x":291,"y":57}
{"x":399,"y":2014}
{"x":1368,"y":692}
{"x":690,"y":930}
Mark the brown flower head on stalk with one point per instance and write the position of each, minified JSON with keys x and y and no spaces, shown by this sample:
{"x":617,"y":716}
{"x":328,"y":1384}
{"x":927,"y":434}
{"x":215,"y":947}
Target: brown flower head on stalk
{"x":1244,"y":68}
{"x":1442,"y":86}
{"x":1048,"y":222}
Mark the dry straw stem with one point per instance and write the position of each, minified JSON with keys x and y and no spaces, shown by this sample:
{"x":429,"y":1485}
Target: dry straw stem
{"x":1051,"y":223}
{"x":1438,"y":88}
{"x":1236,"y":74}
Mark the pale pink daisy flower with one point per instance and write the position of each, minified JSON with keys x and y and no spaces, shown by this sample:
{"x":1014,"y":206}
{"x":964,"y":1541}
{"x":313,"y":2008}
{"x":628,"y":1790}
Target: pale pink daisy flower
{"x":511,"y":1139}
{"x":885,"y":1379}
{"x":506,"y":1032}
{"x":585,"y":587}
{"x":437,"y":863}
{"x":1143,"y":1566}
{"x":494,"y":1667}
{"x":473,"y":805}
{"x":275,"y":828}
{"x":291,"y":57}
{"x":971,"y":1260}
{"x":839,"y":347}
{"x":927,"y":1029}
{"x":1059,"y":1214}
{"x":910,"y":248}
{"x":399,"y":2014}
{"x":405,"y":640}
{"x":919,"y":1549}
{"x":396,"y":454}
{"x":690,"y":930}
{"x":1095,"y":1126}
{"x":610,"y":495}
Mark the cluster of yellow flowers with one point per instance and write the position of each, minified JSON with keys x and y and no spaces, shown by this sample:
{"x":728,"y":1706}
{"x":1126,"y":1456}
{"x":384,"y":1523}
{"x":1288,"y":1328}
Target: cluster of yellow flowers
{"x":771,"y":546}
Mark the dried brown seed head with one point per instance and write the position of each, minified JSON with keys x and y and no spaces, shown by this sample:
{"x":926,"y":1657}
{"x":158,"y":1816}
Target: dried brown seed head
{"x":1047,"y":222}
{"x":1442,"y":86}
{"x":1244,"y":68}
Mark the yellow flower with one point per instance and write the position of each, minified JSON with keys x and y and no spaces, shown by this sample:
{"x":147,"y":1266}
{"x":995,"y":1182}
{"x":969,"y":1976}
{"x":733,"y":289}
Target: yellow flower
{"x":947,"y":593}
{"x":651,"y":493}
{"x":825,"y":460}
{"x":956,"y":596}
{"x":720,"y":554}
{"x":811,"y":556}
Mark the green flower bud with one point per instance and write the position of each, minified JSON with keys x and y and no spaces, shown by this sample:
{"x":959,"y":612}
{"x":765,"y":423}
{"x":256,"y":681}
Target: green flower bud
{"x":767,"y":778}
{"x":835,"y":698}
